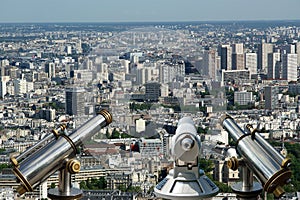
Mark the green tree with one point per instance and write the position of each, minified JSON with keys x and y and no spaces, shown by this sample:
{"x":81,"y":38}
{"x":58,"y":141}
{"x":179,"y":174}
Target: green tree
{"x":83,"y":185}
{"x":135,"y":189}
{"x":293,"y":150}
{"x":223,"y":187}
{"x":202,"y":130}
{"x":206,"y":165}
{"x":5,"y":166}
{"x":94,"y":184}
{"x":115,"y":134}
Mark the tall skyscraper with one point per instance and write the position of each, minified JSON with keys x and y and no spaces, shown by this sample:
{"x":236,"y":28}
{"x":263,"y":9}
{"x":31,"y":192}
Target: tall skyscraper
{"x":263,"y":50}
{"x":50,"y":69}
{"x":209,"y":64}
{"x":298,"y":53}
{"x":3,"y":81}
{"x":289,"y":67}
{"x":288,"y":48}
{"x":141,"y":76}
{"x":274,"y":66}
{"x":251,"y":62}
{"x":271,"y":97}
{"x":238,"y":59}
{"x":225,"y":52}
{"x":20,"y":86}
{"x":75,"y":101}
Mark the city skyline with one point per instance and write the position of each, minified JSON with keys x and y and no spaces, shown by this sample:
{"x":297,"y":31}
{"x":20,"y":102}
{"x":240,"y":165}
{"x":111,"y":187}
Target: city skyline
{"x":151,"y":11}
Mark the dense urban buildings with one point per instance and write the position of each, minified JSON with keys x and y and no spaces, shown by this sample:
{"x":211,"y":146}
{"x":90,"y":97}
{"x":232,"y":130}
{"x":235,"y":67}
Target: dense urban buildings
{"x":148,"y":76}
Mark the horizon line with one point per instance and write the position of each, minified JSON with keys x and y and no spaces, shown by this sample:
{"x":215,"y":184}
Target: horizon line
{"x":180,"y":21}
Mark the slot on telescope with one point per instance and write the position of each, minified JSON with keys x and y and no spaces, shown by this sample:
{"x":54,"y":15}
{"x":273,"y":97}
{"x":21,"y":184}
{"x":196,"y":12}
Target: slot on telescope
{"x":36,"y":167}
{"x":269,"y":166}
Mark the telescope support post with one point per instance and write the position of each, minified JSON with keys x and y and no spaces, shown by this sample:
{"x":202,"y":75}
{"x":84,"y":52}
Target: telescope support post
{"x":65,"y":189}
{"x":247,"y":188}
{"x":247,"y":179}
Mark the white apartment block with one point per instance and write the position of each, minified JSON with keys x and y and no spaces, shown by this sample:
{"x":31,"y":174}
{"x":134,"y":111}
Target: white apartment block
{"x":289,"y":67}
{"x":243,"y":97}
{"x":251,"y":62}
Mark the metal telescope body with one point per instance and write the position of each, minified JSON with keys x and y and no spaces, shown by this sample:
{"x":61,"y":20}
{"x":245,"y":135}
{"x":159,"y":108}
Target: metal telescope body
{"x":185,"y":181}
{"x":270,"y":167}
{"x":54,"y":155}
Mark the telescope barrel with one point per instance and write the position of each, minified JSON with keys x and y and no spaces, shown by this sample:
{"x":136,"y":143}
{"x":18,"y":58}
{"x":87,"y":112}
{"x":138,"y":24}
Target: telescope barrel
{"x":41,"y":164}
{"x":262,"y":142}
{"x":259,"y":157}
{"x":38,"y":145}
{"x":185,"y":143}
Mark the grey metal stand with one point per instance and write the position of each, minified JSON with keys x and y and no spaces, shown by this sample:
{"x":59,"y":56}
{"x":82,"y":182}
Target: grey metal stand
{"x":65,"y":190}
{"x":247,"y":188}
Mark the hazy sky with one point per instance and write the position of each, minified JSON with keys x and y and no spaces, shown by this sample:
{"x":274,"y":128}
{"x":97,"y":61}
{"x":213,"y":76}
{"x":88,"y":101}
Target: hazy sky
{"x":150,"y":10}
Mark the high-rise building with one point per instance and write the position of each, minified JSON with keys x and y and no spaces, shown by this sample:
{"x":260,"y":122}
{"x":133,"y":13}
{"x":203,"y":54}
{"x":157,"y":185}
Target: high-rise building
{"x":3,"y":81}
{"x":164,"y":88}
{"x":4,"y":63}
{"x":238,"y":61}
{"x":298,"y":53}
{"x":47,"y":114}
{"x":20,"y":86}
{"x":251,"y":62}
{"x":271,"y":97}
{"x":243,"y":97}
{"x":289,"y":67}
{"x":50,"y":69}
{"x":209,"y":64}
{"x":274,"y":66}
{"x":141,"y":76}
{"x":152,"y":92}
{"x":75,"y":100}
{"x":238,"y":58}
{"x":238,"y":48}
{"x":263,"y":50}
{"x":84,"y":75}
{"x":225,"y":52}
{"x":69,"y":50}
{"x":288,"y":48}
{"x":168,"y":72}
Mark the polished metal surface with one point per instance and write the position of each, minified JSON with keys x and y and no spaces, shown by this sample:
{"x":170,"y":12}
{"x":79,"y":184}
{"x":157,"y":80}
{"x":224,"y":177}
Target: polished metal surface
{"x":54,"y":194}
{"x":251,"y":194}
{"x":185,"y":187}
{"x":185,"y":181}
{"x":247,"y":179}
{"x":39,"y":144}
{"x":262,"y":142}
{"x":41,"y":164}
{"x":185,"y":143}
{"x":259,"y":156}
{"x":88,"y":129}
{"x":64,"y":181}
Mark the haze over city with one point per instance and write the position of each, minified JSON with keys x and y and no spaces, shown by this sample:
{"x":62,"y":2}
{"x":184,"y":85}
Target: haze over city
{"x":142,"y":11}
{"x":140,"y":100}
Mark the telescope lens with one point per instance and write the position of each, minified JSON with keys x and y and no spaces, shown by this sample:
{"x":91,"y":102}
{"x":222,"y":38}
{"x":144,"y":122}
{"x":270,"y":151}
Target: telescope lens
{"x":187,"y":144}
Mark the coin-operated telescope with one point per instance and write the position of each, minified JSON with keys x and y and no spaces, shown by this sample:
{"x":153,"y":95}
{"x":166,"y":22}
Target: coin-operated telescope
{"x":185,"y":181}
{"x":56,"y":152}
{"x":257,"y":157}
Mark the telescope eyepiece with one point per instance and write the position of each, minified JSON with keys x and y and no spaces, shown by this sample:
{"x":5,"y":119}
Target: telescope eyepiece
{"x":187,"y":143}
